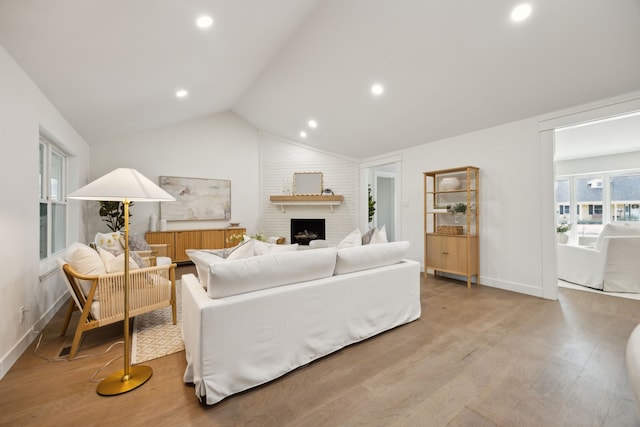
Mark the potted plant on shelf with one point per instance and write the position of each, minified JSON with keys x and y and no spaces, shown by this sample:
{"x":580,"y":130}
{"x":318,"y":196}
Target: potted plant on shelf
{"x":562,"y":230}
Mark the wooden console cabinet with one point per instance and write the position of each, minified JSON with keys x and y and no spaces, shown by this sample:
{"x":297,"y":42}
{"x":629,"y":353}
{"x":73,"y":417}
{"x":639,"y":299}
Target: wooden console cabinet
{"x":179,"y":241}
{"x":451,"y":242}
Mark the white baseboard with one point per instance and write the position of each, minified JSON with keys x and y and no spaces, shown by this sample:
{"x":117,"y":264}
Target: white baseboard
{"x":16,"y":351}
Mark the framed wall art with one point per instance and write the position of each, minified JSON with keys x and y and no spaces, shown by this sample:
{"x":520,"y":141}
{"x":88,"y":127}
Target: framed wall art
{"x":197,"y":199}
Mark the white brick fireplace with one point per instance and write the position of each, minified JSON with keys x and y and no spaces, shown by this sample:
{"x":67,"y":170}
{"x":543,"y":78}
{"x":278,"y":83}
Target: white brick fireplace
{"x":279,"y":159}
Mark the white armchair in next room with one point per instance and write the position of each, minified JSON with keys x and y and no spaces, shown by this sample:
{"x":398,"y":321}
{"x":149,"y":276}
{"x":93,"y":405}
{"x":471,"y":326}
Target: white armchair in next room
{"x":612,"y":265}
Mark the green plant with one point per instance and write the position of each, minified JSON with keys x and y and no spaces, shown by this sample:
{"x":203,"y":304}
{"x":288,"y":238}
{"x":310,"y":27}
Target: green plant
{"x":563,"y":228}
{"x":260,"y":236}
{"x":112,"y":213}
{"x":460,"y":207}
{"x":372,"y":204}
{"x":235,"y":238}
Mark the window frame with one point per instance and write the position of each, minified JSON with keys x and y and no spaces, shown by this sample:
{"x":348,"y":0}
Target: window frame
{"x":604,"y":209}
{"x":47,"y":150}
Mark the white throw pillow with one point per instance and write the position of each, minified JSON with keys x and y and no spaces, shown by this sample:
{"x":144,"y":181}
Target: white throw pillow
{"x":379,"y":235}
{"x":243,"y":250}
{"x":202,"y":261}
{"x":86,"y":261}
{"x":269,"y":271}
{"x":115,"y":263}
{"x":111,"y":241}
{"x":353,"y":239}
{"x":370,"y":256}
{"x":261,"y":248}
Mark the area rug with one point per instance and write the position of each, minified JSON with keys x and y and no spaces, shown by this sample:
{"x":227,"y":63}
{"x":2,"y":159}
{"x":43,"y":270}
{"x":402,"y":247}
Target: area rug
{"x":155,"y":335}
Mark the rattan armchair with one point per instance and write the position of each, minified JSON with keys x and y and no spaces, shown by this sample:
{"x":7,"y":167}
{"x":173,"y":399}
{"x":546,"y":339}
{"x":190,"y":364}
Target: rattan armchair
{"x":102,"y":304}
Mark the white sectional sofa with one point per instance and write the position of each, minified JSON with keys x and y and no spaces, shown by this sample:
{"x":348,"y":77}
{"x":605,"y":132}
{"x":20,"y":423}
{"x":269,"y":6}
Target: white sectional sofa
{"x":253,"y":320}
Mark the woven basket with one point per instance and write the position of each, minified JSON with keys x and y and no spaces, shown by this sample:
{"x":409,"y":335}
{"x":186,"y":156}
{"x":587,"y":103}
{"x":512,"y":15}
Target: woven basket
{"x":450,"y":229}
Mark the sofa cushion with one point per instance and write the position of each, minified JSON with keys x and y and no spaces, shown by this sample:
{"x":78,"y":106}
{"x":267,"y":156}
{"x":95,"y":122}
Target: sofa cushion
{"x":370,"y":256}
{"x":202,"y":261}
{"x":379,"y":235}
{"x":268,"y":271}
{"x":353,"y":239}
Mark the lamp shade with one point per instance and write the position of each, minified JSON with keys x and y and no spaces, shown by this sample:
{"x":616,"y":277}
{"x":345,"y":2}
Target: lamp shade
{"x":121,"y":184}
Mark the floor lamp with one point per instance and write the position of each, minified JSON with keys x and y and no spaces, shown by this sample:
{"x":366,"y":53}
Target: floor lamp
{"x":126,"y":186}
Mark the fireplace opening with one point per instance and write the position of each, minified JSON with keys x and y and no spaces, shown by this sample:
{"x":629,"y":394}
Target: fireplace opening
{"x":305,"y":230}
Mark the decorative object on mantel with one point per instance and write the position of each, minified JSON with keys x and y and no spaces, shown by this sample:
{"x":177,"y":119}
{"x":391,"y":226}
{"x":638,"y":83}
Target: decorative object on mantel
{"x":327,"y":192}
{"x":306,"y":200}
{"x":307,"y":183}
{"x":197,"y":199}
{"x":234,"y":224}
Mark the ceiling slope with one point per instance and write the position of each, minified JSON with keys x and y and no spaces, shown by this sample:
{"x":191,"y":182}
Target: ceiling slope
{"x":447,"y":69}
{"x":112,"y":68}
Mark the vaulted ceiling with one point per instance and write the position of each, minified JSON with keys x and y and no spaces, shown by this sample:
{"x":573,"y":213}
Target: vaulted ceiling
{"x":448,"y":67}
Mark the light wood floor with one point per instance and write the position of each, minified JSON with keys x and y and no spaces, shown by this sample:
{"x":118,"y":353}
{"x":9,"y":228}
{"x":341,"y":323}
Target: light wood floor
{"x":478,"y":357}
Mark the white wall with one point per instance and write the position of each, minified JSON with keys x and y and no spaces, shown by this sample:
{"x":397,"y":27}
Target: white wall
{"x":279,"y":160}
{"x":220,"y":146}
{"x":24,"y":111}
{"x":511,"y":173}
{"x":616,"y":162}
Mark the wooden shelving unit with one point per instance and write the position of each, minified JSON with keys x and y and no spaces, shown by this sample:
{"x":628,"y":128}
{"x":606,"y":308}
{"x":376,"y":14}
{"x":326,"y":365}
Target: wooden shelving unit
{"x":451,"y":222}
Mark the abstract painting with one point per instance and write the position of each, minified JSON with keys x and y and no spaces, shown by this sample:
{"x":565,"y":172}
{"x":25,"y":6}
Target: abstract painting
{"x":197,"y":199}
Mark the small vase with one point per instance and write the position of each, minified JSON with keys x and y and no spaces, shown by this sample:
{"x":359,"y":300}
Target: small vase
{"x":563,"y":238}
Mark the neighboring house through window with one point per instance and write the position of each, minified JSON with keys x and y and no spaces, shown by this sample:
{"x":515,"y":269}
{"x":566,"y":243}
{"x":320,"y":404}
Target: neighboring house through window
{"x":53,"y":205}
{"x":598,"y":200}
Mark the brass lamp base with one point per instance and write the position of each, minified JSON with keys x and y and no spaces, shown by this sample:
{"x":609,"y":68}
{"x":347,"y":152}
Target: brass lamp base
{"x":117,"y":383}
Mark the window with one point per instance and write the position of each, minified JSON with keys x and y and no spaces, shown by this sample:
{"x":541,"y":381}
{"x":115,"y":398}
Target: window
{"x":598,"y":200}
{"x":53,"y":205}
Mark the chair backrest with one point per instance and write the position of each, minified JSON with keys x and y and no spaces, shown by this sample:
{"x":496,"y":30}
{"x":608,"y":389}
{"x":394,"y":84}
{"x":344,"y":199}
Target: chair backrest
{"x":620,"y":229}
{"x":72,"y":285}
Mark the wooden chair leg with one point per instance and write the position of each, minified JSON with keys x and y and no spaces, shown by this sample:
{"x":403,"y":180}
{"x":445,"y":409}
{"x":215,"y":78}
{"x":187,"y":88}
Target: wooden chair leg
{"x":67,"y":318}
{"x":75,"y":345}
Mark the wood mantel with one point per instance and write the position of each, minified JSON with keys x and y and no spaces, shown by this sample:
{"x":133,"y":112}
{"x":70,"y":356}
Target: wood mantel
{"x":306,"y":200}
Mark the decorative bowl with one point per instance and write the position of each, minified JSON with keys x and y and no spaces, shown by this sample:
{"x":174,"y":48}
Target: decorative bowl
{"x":449,"y":183}
{"x":234,"y":224}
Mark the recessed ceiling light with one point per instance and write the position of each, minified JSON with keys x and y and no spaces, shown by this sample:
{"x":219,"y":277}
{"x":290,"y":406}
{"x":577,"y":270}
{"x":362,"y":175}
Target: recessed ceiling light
{"x":303,"y":134}
{"x":204,"y":21}
{"x":312,"y":124}
{"x":377,"y":89}
{"x":181,"y":93}
{"x":521,"y":12}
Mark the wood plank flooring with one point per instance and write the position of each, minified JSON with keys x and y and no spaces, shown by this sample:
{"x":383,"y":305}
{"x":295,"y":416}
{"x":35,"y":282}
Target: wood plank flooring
{"x":476,"y":357}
